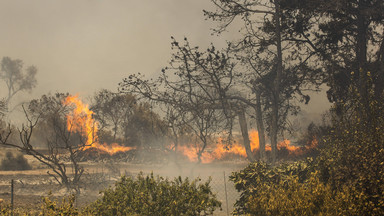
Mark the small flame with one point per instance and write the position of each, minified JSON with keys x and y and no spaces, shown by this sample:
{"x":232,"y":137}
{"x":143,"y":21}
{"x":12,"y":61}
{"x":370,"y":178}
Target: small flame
{"x":221,"y":150}
{"x":81,"y":120}
{"x":111,"y":148}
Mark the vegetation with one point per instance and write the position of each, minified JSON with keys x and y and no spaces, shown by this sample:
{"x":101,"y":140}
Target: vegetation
{"x":254,"y":180}
{"x":143,"y":195}
{"x":50,"y":206}
{"x":47,"y":116}
{"x":149,"y":195}
{"x":285,"y":49}
{"x":123,"y":119}
{"x":12,"y":74}
{"x":10,"y":162}
{"x":346,"y":179}
{"x":66,"y":207}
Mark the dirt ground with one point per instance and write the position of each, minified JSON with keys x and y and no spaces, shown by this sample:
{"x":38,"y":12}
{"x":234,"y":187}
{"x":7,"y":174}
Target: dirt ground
{"x":31,"y":185}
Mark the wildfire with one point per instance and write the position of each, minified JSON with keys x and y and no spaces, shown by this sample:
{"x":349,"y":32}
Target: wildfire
{"x":81,"y":120}
{"x":221,"y":150}
{"x":111,"y":148}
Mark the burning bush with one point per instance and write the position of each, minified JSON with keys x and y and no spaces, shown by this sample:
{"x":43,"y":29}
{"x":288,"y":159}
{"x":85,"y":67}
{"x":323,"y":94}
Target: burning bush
{"x":10,"y":162}
{"x":149,"y":195}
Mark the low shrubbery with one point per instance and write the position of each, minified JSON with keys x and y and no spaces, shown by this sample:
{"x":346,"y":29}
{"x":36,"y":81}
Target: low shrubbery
{"x":10,"y":162}
{"x":65,"y":207}
{"x":149,"y":195}
{"x":261,"y":184}
{"x":296,"y":189}
{"x":143,"y":195}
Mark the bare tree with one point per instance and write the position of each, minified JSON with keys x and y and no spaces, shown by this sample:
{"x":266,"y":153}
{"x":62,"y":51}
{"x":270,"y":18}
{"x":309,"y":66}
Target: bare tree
{"x":62,"y":142}
{"x":270,"y":54}
{"x":199,"y":86}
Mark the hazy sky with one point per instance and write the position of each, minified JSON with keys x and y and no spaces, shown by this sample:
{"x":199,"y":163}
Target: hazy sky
{"x":80,"y":46}
{"x":84,"y":45}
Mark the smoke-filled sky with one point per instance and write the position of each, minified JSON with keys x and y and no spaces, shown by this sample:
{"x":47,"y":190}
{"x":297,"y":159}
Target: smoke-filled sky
{"x":81,"y":46}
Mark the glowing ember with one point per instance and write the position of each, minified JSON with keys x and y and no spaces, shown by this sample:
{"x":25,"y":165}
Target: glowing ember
{"x":81,"y":121}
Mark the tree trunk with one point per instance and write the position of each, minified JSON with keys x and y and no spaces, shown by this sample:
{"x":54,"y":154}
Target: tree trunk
{"x":244,"y":132}
{"x":114,"y":132}
{"x":276,"y":84}
{"x":260,"y":126}
{"x":203,"y":138}
{"x":379,"y":83}
{"x":361,"y":50}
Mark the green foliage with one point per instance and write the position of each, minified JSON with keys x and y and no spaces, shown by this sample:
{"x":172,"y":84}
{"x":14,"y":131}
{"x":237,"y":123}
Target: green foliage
{"x":10,"y":162}
{"x":295,"y":189}
{"x":254,"y":180}
{"x":65,"y":207}
{"x":354,"y":153}
{"x":5,"y":209}
{"x":149,"y":195}
{"x":289,"y":197}
{"x":310,"y":197}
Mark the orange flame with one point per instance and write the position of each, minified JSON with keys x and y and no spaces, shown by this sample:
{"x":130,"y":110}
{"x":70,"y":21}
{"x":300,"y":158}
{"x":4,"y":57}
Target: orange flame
{"x":81,"y":120}
{"x":221,"y":150}
{"x":111,"y":148}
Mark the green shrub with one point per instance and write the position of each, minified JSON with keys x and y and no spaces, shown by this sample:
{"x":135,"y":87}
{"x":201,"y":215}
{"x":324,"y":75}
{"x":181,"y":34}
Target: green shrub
{"x":259,"y":177}
{"x":149,"y":195}
{"x":64,"y":208}
{"x":6,"y":210}
{"x":295,"y":189}
{"x":311,"y":197}
{"x":354,"y":153}
{"x":10,"y":162}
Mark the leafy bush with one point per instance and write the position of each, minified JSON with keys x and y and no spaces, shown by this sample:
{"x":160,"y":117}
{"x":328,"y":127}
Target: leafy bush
{"x":294,"y":189}
{"x":258,"y":178}
{"x":10,"y":162}
{"x":311,"y":197}
{"x":65,"y":207}
{"x":149,"y":195}
{"x":6,"y":210}
{"x":354,"y":153}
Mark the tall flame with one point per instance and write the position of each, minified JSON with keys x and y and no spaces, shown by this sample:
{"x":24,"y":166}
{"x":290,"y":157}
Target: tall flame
{"x":81,"y":120}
